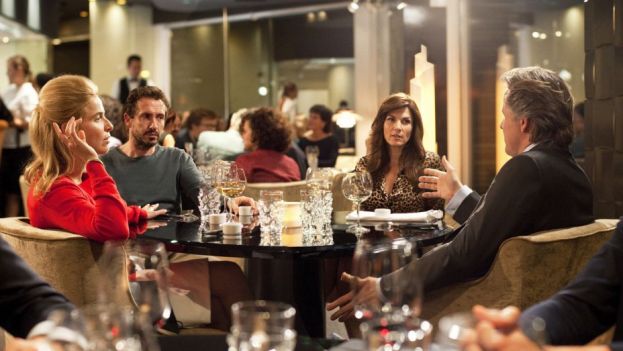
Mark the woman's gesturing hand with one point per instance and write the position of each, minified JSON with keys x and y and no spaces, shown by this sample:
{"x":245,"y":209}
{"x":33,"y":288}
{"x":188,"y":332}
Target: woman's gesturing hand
{"x":75,"y":140}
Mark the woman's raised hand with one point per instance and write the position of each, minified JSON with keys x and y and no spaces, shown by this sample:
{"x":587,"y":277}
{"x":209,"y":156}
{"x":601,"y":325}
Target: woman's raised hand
{"x":75,"y":140}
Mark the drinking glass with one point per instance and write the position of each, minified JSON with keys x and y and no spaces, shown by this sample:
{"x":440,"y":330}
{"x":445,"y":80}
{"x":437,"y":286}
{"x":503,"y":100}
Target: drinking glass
{"x":148,"y":267}
{"x":316,"y":209}
{"x":357,"y":187}
{"x":319,"y":178}
{"x":397,"y":333}
{"x":232,"y":185}
{"x":271,"y":208}
{"x":262,"y":325}
{"x":395,"y":260}
{"x":311,"y":152}
{"x":190,"y":149}
{"x":452,"y":328}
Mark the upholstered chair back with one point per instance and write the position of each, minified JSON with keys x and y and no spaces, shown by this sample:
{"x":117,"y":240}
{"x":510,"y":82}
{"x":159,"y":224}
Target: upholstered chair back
{"x":526,"y":270}
{"x":291,"y":190}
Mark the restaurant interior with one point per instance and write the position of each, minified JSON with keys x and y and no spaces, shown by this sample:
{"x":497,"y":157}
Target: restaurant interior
{"x":341,"y":174}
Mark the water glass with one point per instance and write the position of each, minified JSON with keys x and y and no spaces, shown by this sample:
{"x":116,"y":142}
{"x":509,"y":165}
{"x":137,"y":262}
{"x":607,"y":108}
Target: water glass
{"x":397,"y":333}
{"x":262,"y":325}
{"x":319,"y":178}
{"x":311,"y":152}
{"x":316,"y":210}
{"x":395,"y":260}
{"x":357,"y":187}
{"x":271,"y":208}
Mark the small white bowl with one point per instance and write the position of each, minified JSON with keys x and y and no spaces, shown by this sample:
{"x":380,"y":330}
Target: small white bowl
{"x":217,"y":218}
{"x":232,"y":228}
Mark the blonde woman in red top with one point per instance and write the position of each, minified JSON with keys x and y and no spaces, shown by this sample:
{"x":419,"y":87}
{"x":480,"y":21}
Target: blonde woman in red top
{"x":70,"y":189}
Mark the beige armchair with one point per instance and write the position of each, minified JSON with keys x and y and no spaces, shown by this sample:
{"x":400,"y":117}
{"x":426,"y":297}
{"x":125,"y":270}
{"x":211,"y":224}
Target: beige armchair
{"x":68,"y":262}
{"x":526,"y":270}
{"x":291,"y":190}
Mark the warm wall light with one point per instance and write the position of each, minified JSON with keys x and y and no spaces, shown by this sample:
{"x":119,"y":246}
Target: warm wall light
{"x":543,"y":36}
{"x":84,"y":14}
{"x":505,"y":63}
{"x":423,"y":92}
{"x":5,"y":40}
{"x":311,"y":17}
{"x":56,"y":41}
{"x":322,"y":16}
{"x":121,"y":2}
{"x":353,"y":6}
{"x":262,"y":90}
{"x":558,"y":34}
{"x":535,"y":35}
{"x":401,"y":5}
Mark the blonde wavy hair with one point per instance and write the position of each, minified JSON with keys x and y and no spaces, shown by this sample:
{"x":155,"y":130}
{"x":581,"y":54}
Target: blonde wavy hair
{"x":59,"y":100}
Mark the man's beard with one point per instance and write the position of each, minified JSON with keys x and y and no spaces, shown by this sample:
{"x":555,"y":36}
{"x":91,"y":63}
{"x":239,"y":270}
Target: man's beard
{"x":141,"y":144}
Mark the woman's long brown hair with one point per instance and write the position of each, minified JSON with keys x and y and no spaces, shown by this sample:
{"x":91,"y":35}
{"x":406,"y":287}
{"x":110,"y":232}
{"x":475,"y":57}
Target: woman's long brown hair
{"x":413,"y":153}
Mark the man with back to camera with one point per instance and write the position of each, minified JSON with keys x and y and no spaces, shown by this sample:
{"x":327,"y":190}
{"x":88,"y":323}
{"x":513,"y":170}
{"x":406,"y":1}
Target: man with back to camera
{"x":122,"y":88}
{"x":540,"y":188}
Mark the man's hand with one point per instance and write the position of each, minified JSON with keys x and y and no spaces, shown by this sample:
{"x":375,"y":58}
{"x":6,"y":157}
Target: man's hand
{"x":243,"y":201}
{"x":366,"y":294}
{"x":153,"y":211}
{"x":506,"y":318}
{"x":487,"y":337}
{"x":441,"y":184}
{"x":34,"y":344}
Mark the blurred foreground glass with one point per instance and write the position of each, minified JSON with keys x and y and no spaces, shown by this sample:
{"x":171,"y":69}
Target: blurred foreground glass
{"x":451,"y":329}
{"x":357,"y":187}
{"x":102,"y":328}
{"x":271,"y":208}
{"x":209,"y":198}
{"x":311,"y":152}
{"x":262,"y":326}
{"x":319,"y":178}
{"x":397,"y":333}
{"x":147,"y":275}
{"x":396,"y":261}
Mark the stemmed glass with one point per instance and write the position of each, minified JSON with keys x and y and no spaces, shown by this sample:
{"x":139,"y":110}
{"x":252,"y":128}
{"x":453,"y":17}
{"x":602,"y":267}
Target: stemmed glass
{"x":311,"y":153}
{"x":232,"y":185}
{"x":357,"y":187}
{"x":390,"y":319}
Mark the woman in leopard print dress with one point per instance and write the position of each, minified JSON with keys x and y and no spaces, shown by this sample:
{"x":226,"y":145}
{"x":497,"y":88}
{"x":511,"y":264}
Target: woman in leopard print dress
{"x":396,"y":157}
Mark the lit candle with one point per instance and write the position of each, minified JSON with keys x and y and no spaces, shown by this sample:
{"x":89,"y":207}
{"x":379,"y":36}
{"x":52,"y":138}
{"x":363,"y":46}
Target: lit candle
{"x":292,"y":214}
{"x":292,"y":237}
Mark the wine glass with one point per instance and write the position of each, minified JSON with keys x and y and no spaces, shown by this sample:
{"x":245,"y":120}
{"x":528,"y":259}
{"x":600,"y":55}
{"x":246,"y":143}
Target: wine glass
{"x":395,"y":262}
{"x":357,"y":187}
{"x":311,"y":153}
{"x":234,"y":182}
{"x":319,"y":178}
{"x":148,"y":269}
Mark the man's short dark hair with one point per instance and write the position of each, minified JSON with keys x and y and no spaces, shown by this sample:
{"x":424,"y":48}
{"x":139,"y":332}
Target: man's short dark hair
{"x":197,"y":115}
{"x":143,"y":92}
{"x":542,"y":97}
{"x":133,"y":58}
{"x":579,"y":109}
{"x":325,"y":114}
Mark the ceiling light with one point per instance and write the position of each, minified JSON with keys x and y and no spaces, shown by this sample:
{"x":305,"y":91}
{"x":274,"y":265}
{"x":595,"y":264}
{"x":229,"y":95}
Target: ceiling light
{"x":84,"y":14}
{"x":311,"y":17}
{"x":5,"y":40}
{"x":353,"y":7}
{"x":535,"y":35}
{"x":56,"y":41}
{"x":262,"y":90}
{"x":543,"y":36}
{"x":401,"y":5}
{"x":558,"y":34}
{"x":322,"y":16}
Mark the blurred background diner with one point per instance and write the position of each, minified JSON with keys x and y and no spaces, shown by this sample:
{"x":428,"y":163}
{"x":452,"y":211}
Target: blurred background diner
{"x":326,"y":128}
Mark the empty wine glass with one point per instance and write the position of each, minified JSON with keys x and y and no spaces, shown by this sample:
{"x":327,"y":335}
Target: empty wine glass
{"x":148,"y":269}
{"x":357,"y":187}
{"x":311,"y":152}
{"x":395,"y":262}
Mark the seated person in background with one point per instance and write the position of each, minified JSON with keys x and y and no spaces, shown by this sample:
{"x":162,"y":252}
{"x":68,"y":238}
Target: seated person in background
{"x":583,"y":310}
{"x":72,"y":191}
{"x":577,"y":146}
{"x":199,"y":120}
{"x":540,"y":188}
{"x":70,"y":187}
{"x":319,"y":134}
{"x":26,"y":301}
{"x":266,"y":134}
{"x":172,"y":126}
{"x":396,"y":157}
{"x":113,"y":110}
{"x":225,"y":145}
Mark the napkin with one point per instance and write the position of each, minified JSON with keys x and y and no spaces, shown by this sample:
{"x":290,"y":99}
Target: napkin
{"x":419,"y":217}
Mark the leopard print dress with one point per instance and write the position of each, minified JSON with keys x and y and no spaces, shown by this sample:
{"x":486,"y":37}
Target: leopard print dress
{"x":405,"y":197}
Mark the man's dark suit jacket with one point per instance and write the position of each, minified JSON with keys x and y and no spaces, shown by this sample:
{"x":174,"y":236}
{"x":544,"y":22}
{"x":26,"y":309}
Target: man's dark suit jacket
{"x":540,"y":189}
{"x":25,"y":299}
{"x":590,"y":304}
